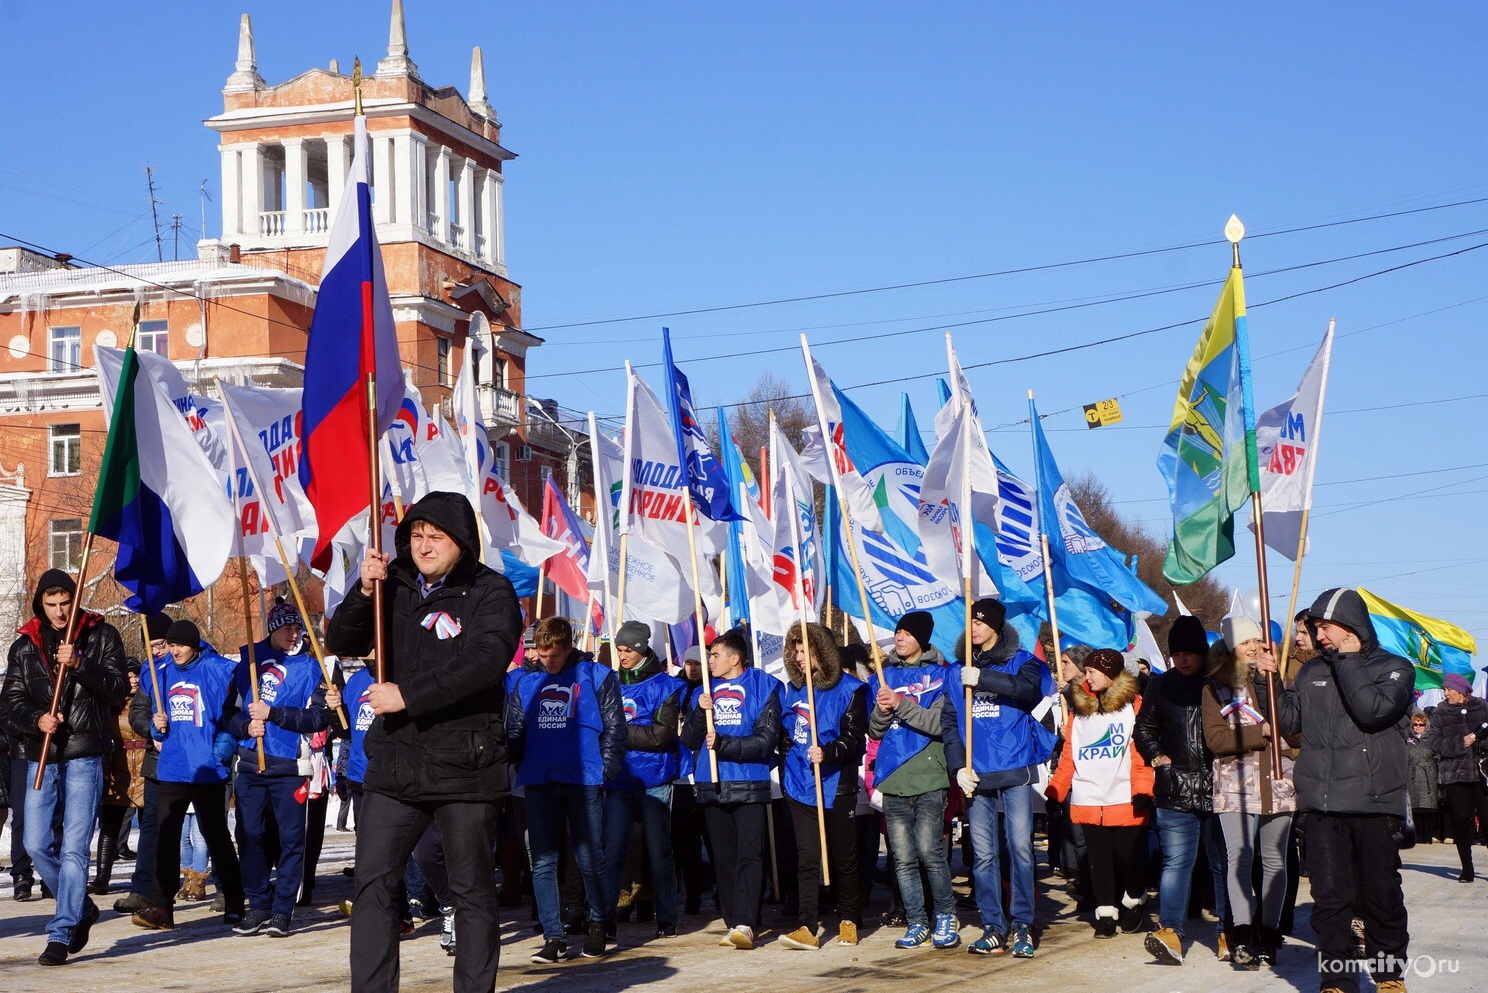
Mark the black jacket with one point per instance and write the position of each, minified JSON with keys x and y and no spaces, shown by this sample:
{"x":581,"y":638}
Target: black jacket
{"x":1450,"y":723}
{"x":661,"y":734}
{"x":140,"y":714}
{"x":757,"y":746}
{"x":1171,"y":723}
{"x":450,"y":741}
{"x":1352,"y":711}
{"x":92,"y":694}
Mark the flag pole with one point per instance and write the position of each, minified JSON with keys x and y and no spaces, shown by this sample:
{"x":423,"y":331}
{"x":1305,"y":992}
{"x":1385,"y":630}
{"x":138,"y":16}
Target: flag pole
{"x":801,"y":605}
{"x":244,"y":567}
{"x":966,"y":547}
{"x":542,"y":576}
{"x":1234,"y":231}
{"x":1057,"y":662}
{"x":150,"y":661}
{"x":875,"y":652}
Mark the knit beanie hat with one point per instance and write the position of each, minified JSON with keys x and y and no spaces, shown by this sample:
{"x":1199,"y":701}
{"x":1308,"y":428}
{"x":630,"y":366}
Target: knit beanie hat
{"x":183,"y":632}
{"x":1107,"y":661}
{"x":1187,"y":635}
{"x":1457,"y":681}
{"x":157,"y":625}
{"x":635,"y":636}
{"x":919,"y":625}
{"x":281,"y":614}
{"x":1238,"y":628}
{"x":990,"y":612}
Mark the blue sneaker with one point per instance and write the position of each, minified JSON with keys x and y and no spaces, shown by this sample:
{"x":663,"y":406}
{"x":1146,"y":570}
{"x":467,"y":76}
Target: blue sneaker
{"x":947,"y":931}
{"x":990,"y":943}
{"x":916,"y":936}
{"x":1022,"y":942}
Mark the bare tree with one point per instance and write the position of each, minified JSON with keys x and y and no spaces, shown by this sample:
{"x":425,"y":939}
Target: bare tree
{"x":750,"y":419}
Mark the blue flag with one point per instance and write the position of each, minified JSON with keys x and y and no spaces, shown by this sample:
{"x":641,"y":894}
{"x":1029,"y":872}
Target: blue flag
{"x":705,"y":474}
{"x":909,"y":432}
{"x":737,"y":475}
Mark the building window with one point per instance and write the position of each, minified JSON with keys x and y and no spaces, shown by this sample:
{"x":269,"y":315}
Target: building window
{"x":65,"y":349}
{"x":154,"y":336}
{"x":500,"y":462}
{"x":498,"y":372}
{"x":445,"y":379}
{"x":67,"y":450}
{"x":67,"y":544}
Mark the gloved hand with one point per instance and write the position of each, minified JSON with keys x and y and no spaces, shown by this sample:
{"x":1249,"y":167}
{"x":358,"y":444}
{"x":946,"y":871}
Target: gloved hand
{"x":967,"y":780}
{"x":970,"y":676}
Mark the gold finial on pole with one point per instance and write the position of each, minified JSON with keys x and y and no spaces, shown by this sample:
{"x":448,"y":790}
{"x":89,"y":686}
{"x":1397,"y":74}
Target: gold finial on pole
{"x":1233,"y":232}
{"x":356,"y":84}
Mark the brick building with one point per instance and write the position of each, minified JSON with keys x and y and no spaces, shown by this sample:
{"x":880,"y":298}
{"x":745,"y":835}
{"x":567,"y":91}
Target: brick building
{"x":242,"y":308}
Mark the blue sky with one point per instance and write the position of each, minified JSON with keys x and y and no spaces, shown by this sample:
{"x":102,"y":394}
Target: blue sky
{"x":681,"y":156}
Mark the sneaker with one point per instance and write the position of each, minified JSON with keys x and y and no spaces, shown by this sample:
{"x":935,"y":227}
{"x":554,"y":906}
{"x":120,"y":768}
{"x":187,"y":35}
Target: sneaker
{"x":741,"y":937}
{"x":1165,"y":945}
{"x":1358,"y":950}
{"x":55,"y":954}
{"x":1222,"y":947}
{"x":552,"y":952}
{"x":894,"y":918}
{"x":1390,"y":986}
{"x":666,"y":930}
{"x":801,"y":939}
{"x":219,"y":903}
{"x":233,"y":917}
{"x":154,"y":918}
{"x":1022,"y":942}
{"x":914,"y":937}
{"x":130,"y":903}
{"x":847,"y":933}
{"x":447,"y":930}
{"x":990,"y":943}
{"x":420,"y":911}
{"x":82,"y":927}
{"x":345,"y":907}
{"x":252,"y":922}
{"x":1105,"y":922}
{"x":277,"y":926}
{"x":594,"y":941}
{"x":947,"y":931}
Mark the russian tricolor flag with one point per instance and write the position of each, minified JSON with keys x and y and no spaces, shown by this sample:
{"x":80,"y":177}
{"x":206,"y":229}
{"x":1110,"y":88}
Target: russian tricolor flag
{"x":351,"y":337}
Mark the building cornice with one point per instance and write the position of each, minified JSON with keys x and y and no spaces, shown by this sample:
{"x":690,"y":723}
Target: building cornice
{"x":341,"y":113}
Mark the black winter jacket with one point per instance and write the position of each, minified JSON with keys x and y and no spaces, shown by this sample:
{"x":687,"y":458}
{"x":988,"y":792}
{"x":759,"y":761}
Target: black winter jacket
{"x":140,"y":713}
{"x":1352,"y":713}
{"x":1171,"y":723}
{"x":450,"y":741}
{"x":1457,"y":763}
{"x":661,"y":734}
{"x":92,"y":694}
{"x":757,"y":746}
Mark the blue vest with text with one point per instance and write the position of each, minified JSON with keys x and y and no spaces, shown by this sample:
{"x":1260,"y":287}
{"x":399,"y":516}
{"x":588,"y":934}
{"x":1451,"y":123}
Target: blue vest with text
{"x":737,"y":704}
{"x":283,"y":681}
{"x":925,"y":684}
{"x":194,"y":699}
{"x":796,"y":777}
{"x":640,"y":702}
{"x":686,"y":757}
{"x":1006,"y":736}
{"x":357,"y":699}
{"x":563,"y":725}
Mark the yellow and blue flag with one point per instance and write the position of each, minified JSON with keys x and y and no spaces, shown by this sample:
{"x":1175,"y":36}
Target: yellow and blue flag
{"x":1437,"y":647}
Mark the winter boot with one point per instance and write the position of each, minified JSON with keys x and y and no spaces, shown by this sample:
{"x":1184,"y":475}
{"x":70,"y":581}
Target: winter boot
{"x":1105,"y":922}
{"x":1130,"y":917}
{"x":108,"y":850}
{"x":1268,"y":943}
{"x":1243,"y":952}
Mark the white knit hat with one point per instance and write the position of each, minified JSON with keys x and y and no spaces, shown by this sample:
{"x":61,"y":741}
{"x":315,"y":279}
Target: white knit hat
{"x":1237,"y":628}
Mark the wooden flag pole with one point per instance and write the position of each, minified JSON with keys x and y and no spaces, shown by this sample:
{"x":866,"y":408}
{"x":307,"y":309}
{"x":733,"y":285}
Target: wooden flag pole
{"x":1286,"y":635}
{"x":1265,"y":618}
{"x":150,"y":662}
{"x":67,"y":635}
{"x":970,"y":691}
{"x":542,"y":578}
{"x":697,"y":597}
{"x":374,"y":531}
{"x":1058,"y":660}
{"x":801,"y":606}
{"x":247,"y":567}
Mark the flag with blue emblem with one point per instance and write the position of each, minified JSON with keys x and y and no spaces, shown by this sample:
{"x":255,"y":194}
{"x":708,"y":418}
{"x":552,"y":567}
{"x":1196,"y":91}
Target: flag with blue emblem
{"x":705,"y":474}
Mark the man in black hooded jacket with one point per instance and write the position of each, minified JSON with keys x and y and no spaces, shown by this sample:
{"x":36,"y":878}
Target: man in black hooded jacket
{"x":94,"y":685}
{"x":436,"y":751}
{"x":1351,"y":707}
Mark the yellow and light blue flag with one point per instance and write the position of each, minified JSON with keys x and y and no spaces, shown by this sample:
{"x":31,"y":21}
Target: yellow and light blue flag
{"x":1437,"y":647}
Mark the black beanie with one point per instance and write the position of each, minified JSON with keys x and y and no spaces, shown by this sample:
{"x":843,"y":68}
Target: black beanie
{"x":919,"y":624}
{"x":183,"y":632}
{"x":157,"y":625}
{"x":990,"y":612}
{"x":1187,"y":635}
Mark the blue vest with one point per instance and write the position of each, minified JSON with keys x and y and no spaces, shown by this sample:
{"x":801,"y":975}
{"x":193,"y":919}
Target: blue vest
{"x":563,"y":725}
{"x":283,"y":681}
{"x":357,"y":698}
{"x":641,"y":701}
{"x":737,"y":704}
{"x":1006,"y":736}
{"x":686,"y":757}
{"x":194,"y":701}
{"x":926,"y":684}
{"x":796,"y":777}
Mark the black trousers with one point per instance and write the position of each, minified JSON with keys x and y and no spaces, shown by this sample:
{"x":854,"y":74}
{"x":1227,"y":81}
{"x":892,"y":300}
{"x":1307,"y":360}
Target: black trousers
{"x":1118,"y":862}
{"x":393,"y":828}
{"x":687,"y":843}
{"x":738,"y":834}
{"x":842,"y":849}
{"x":1467,"y":801}
{"x":315,"y":823}
{"x":210,"y":803}
{"x":1337,"y":844}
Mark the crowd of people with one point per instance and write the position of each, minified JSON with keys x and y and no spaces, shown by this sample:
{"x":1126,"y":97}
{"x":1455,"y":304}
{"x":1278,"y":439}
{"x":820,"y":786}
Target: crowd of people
{"x":617,"y":786}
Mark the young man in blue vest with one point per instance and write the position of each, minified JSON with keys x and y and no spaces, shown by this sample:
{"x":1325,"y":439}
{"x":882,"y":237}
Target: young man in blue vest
{"x":1008,"y":745}
{"x":745,"y":704}
{"x":910,"y":772}
{"x":191,"y":770}
{"x":649,"y":699}
{"x":566,"y":732}
{"x":291,"y":704}
{"x":841,"y":709}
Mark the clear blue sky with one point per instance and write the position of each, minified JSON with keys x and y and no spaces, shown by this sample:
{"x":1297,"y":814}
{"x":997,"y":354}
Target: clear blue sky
{"x":681,"y":155}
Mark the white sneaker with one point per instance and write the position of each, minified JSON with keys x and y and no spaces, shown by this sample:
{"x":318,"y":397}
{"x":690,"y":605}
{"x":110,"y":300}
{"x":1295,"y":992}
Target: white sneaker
{"x":741,"y":937}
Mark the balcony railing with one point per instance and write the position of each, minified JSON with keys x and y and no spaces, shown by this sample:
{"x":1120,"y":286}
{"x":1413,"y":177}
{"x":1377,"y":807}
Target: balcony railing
{"x":317,"y":220}
{"x":457,"y":234}
{"x":502,"y":408}
{"x":271,"y":223}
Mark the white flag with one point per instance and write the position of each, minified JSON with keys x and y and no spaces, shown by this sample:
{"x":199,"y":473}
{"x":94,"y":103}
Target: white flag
{"x":799,"y":569}
{"x":856,"y":492}
{"x":1287,"y":443}
{"x":959,"y":488}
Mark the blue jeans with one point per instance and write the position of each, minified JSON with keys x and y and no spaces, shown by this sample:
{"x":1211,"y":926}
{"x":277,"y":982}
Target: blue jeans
{"x":654,"y":808}
{"x":193,"y":845}
{"x":1178,"y":834}
{"x":62,"y":862}
{"x":259,"y":798}
{"x":916,"y":833}
{"x":548,"y":806}
{"x":1016,"y":807}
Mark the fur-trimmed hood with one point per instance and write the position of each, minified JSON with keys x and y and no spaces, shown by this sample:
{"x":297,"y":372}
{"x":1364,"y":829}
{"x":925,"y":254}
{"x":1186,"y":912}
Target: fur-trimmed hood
{"x":1122,"y":691}
{"x":1228,"y":669}
{"x":825,"y":656}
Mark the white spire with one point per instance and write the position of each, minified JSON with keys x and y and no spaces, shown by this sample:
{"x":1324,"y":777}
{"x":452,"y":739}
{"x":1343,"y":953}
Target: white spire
{"x":245,"y":77}
{"x":397,"y":62}
{"x":478,"y":85}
